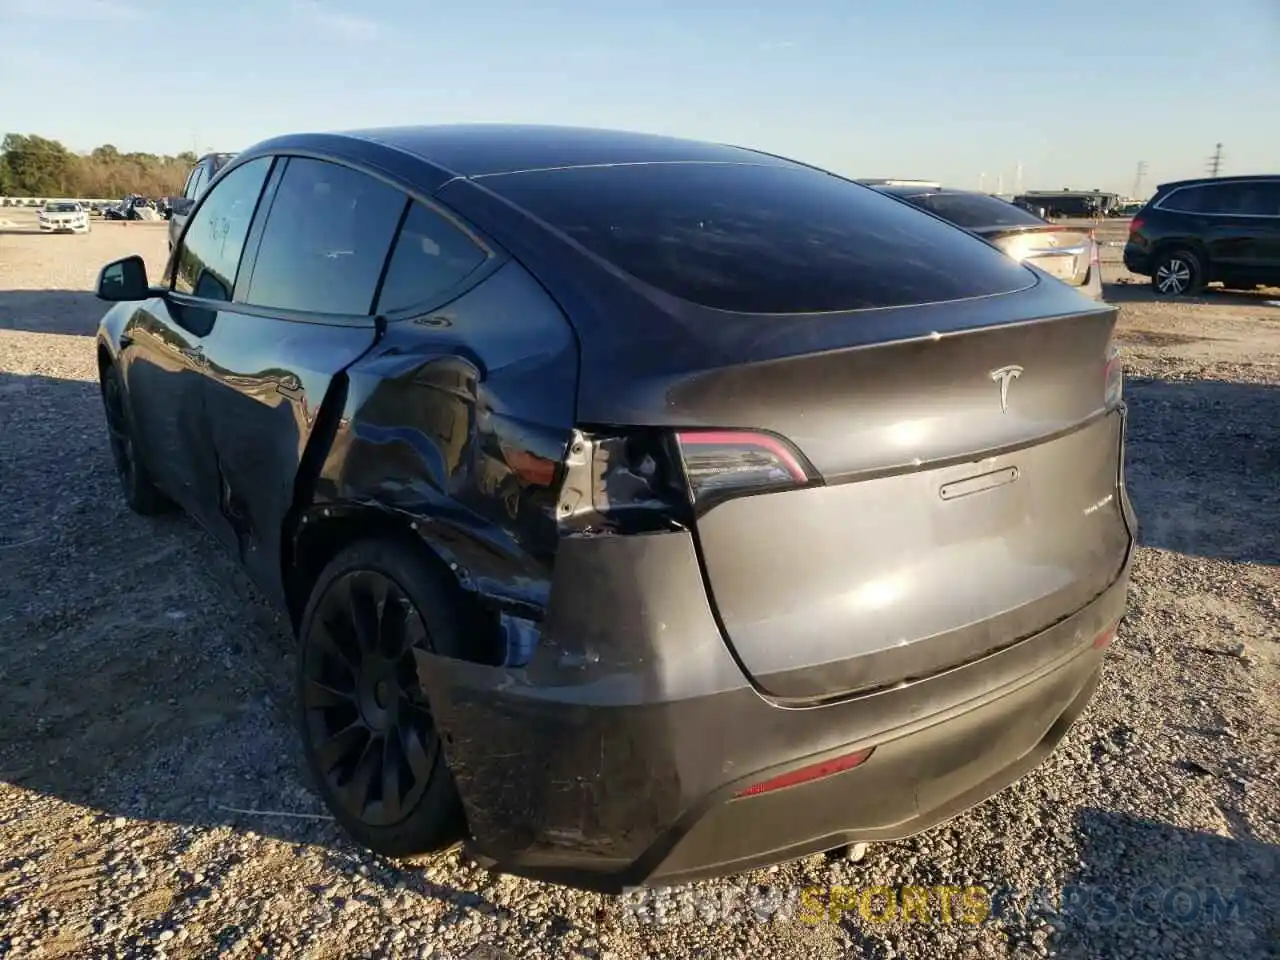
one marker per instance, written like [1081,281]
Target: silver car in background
[63,216]
[1067,253]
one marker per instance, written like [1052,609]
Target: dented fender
[455,426]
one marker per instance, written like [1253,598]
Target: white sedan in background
[59,215]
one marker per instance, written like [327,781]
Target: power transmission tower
[1215,162]
[1137,179]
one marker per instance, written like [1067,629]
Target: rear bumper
[1137,260]
[615,758]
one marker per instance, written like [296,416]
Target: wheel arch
[1191,244]
[321,532]
[105,360]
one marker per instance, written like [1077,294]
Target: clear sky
[1078,92]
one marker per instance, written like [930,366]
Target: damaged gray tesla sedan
[645,509]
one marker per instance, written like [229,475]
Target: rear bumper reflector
[814,771]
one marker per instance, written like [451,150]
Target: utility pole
[1000,185]
[1215,162]
[1017,179]
[982,183]
[1137,180]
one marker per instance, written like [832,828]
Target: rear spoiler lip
[651,398]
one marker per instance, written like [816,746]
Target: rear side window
[325,240]
[431,255]
[762,239]
[1188,200]
[975,210]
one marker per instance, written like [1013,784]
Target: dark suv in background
[1194,232]
[198,181]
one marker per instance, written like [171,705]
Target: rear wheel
[1177,273]
[367,730]
[140,491]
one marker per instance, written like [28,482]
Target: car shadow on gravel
[1146,888]
[1201,466]
[141,675]
[74,312]
[1211,296]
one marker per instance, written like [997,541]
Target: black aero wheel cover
[369,729]
[118,431]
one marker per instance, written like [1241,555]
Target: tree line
[33,166]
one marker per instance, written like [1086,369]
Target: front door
[166,363]
[304,314]
[160,362]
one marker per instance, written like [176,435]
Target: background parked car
[63,216]
[1194,232]
[1069,254]
[198,180]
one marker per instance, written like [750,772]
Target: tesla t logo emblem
[1005,376]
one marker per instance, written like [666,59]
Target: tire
[140,491]
[361,711]
[1177,273]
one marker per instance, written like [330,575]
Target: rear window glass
[975,210]
[762,239]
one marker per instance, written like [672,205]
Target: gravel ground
[144,691]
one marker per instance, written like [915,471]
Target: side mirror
[123,280]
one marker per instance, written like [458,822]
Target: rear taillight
[1113,377]
[645,480]
[1095,255]
[725,463]
[1135,225]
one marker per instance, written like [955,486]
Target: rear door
[1255,214]
[1269,245]
[275,364]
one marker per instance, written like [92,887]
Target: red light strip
[814,771]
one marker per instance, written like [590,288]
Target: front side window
[209,257]
[431,255]
[326,240]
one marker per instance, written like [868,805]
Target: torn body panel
[455,426]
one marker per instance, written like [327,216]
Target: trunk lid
[949,525]
[1062,252]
